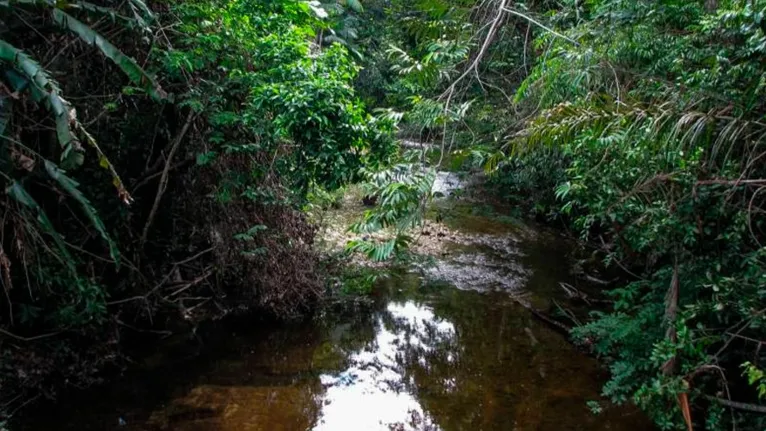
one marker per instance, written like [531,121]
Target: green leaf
[145,11]
[138,21]
[317,8]
[6,109]
[48,90]
[18,82]
[104,162]
[355,5]
[206,157]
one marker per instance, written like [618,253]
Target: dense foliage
[637,125]
[212,120]
[657,110]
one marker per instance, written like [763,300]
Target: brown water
[447,348]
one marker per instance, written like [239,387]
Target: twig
[598,281]
[542,316]
[617,261]
[671,312]
[27,339]
[189,259]
[753,340]
[205,301]
[150,331]
[164,179]
[193,282]
[122,301]
[755,408]
[745,324]
[24,404]
[150,177]
[526,47]
[483,50]
[472,67]
[732,182]
[539,24]
[567,313]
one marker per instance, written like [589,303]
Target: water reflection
[446,183]
[372,393]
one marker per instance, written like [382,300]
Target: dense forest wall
[155,157]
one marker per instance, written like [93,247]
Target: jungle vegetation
[157,157]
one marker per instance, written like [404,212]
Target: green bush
[656,112]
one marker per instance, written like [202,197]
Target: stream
[447,347]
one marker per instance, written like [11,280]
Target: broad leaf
[135,73]
[145,12]
[355,5]
[48,91]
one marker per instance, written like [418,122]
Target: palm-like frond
[47,90]
[663,124]
[141,13]
[104,162]
[129,66]
[71,187]
[25,75]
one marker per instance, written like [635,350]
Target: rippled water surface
[448,348]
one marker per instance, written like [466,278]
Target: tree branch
[164,179]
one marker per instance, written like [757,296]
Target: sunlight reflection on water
[370,394]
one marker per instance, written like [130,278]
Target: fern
[402,192]
[660,123]
[380,250]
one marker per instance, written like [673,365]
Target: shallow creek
[444,348]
